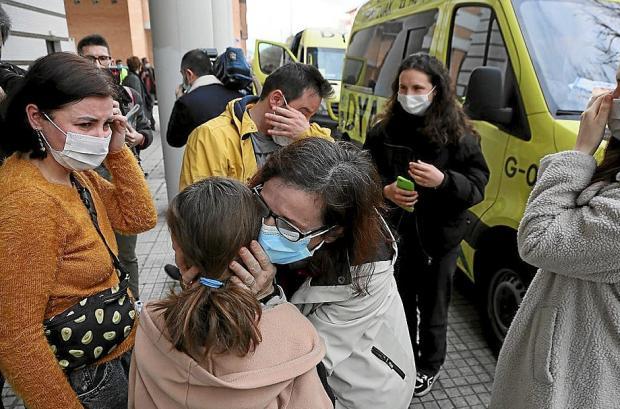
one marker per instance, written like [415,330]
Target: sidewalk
[465,380]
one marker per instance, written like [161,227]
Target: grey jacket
[563,347]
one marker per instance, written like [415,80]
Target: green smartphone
[405,184]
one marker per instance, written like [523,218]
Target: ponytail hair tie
[209,282]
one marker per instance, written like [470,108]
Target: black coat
[195,108]
[132,80]
[139,121]
[440,213]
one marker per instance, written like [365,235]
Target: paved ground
[465,380]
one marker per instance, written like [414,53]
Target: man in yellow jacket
[239,141]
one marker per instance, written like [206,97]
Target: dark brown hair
[134,64]
[53,82]
[346,180]
[210,221]
[92,39]
[444,122]
[610,165]
[293,79]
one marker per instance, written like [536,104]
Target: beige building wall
[240,25]
[126,25]
[121,22]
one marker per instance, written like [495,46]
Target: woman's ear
[333,234]
[35,117]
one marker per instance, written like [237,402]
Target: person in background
[562,349]
[132,80]
[424,136]
[147,75]
[204,99]
[10,76]
[139,137]
[238,142]
[56,255]
[122,71]
[335,254]
[219,346]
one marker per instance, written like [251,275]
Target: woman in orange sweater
[67,318]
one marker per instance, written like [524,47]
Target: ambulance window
[415,37]
[271,57]
[374,53]
[477,41]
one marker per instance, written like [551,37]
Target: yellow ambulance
[524,70]
[323,48]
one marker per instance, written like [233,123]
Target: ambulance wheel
[507,284]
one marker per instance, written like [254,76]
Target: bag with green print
[92,328]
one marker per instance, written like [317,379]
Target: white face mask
[415,104]
[81,152]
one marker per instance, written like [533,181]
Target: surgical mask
[281,250]
[81,152]
[415,104]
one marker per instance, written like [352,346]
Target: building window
[53,46]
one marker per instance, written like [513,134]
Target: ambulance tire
[506,282]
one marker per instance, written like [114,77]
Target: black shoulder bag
[92,328]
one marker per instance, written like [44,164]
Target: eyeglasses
[102,59]
[286,228]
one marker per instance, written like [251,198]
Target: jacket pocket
[543,345]
[389,354]
[377,352]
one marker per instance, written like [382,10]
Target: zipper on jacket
[429,259]
[377,352]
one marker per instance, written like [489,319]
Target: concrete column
[178,26]
[223,25]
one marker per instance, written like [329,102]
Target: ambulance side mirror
[484,98]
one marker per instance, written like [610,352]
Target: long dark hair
[610,165]
[346,180]
[52,82]
[444,122]
[210,221]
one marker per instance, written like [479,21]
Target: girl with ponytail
[213,344]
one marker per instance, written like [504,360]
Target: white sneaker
[424,384]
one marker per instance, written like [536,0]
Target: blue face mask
[281,250]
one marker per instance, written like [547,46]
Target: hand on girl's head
[255,271]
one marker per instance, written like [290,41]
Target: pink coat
[280,373]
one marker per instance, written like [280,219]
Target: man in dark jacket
[10,75]
[133,80]
[205,99]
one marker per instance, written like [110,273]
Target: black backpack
[233,69]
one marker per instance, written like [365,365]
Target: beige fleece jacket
[280,373]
